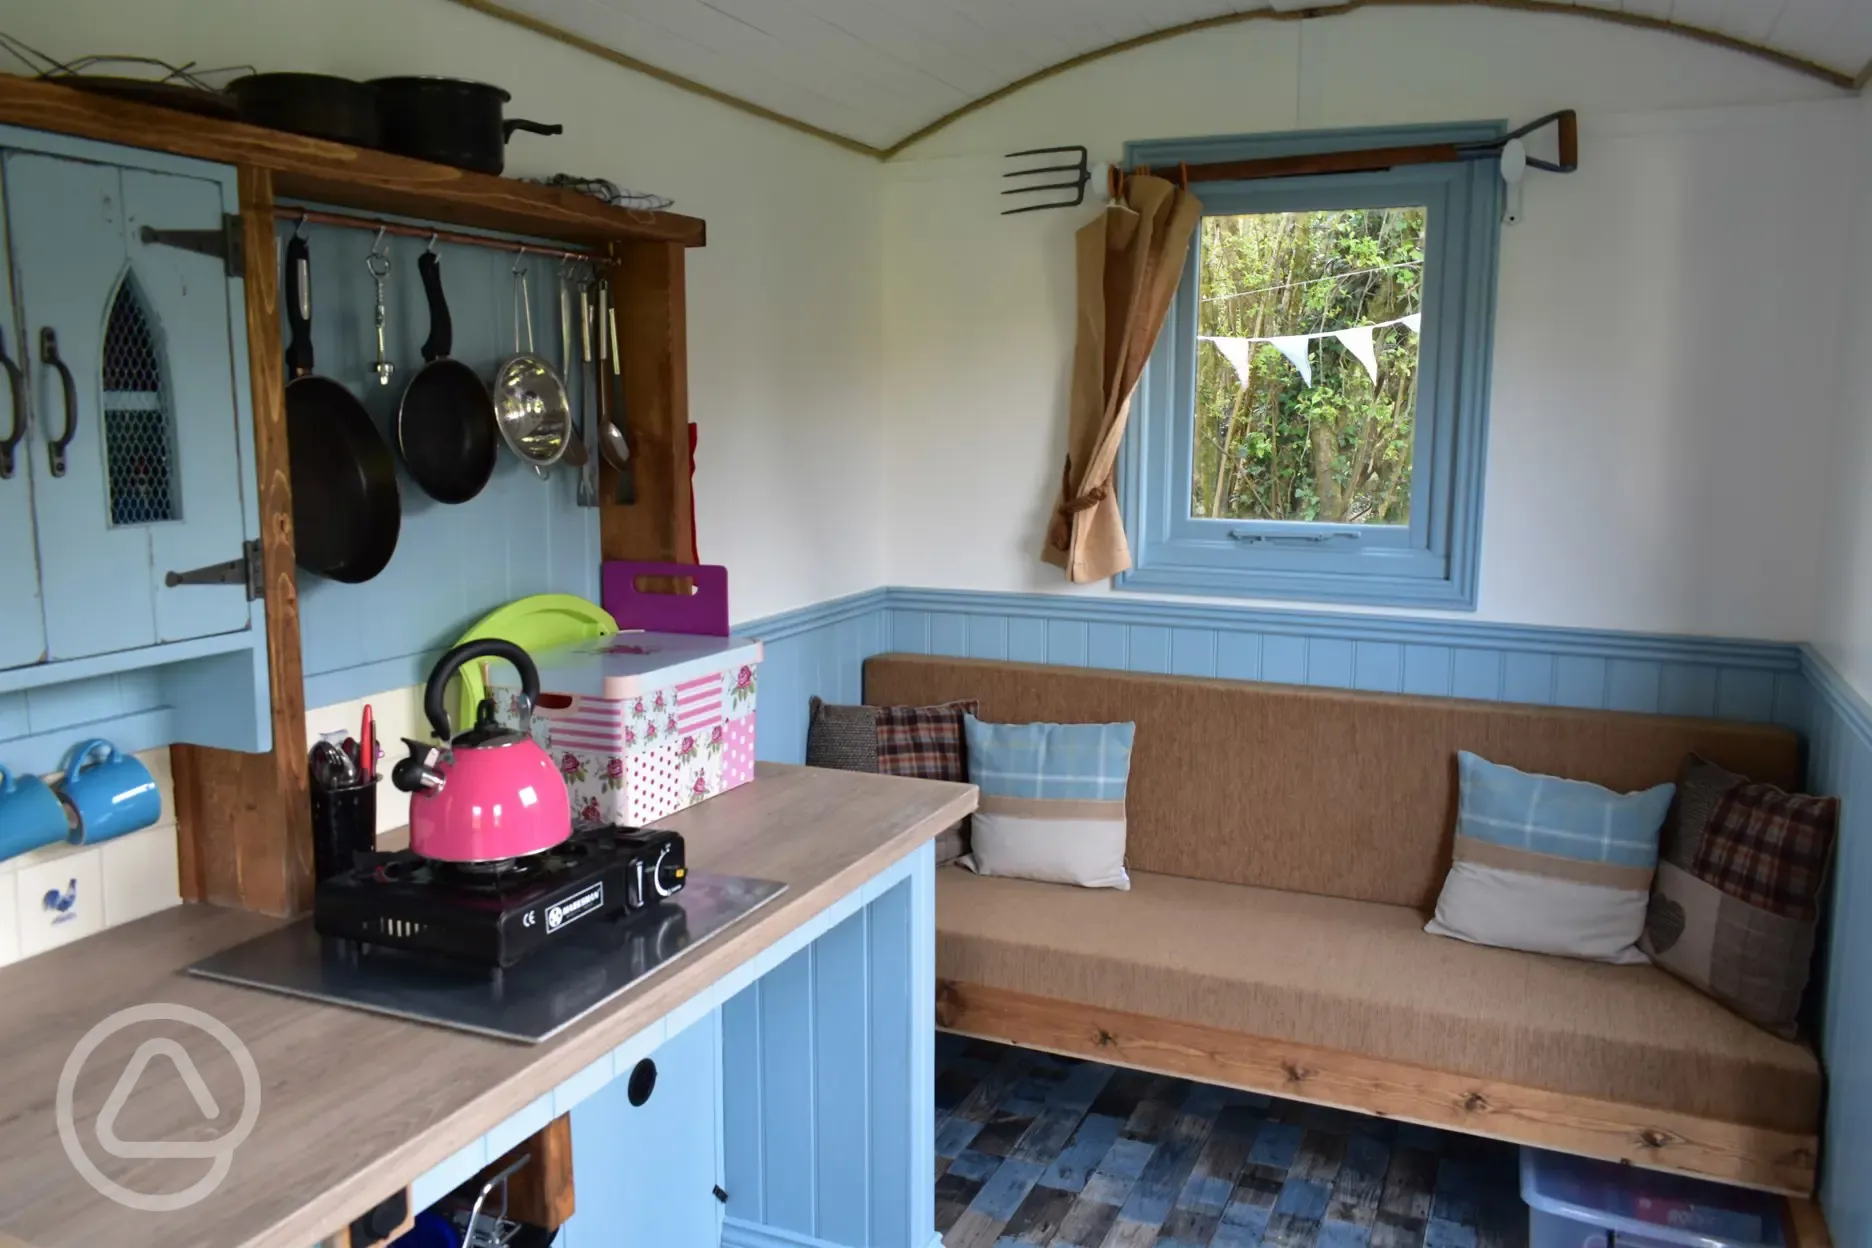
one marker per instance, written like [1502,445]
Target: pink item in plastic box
[644,724]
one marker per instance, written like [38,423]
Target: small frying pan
[445,424]
[346,508]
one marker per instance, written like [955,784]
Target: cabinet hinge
[225,244]
[246,570]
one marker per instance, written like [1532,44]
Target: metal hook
[519,266]
[432,242]
[300,223]
[378,260]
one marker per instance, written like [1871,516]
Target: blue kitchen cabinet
[135,429]
[646,1174]
[22,622]
[129,521]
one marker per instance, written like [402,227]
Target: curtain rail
[312,216]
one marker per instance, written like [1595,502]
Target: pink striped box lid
[628,664]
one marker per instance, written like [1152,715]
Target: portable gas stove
[496,913]
[518,949]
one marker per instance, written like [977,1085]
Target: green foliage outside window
[1340,450]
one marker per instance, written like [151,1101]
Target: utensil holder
[344,824]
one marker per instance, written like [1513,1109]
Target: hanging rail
[1377,159]
[312,216]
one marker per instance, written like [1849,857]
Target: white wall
[1844,634]
[783,327]
[1665,342]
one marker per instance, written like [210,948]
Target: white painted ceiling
[877,71]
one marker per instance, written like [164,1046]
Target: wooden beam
[336,173]
[1806,1224]
[540,1192]
[243,826]
[647,281]
[1761,1157]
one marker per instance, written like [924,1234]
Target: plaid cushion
[1769,848]
[1086,762]
[923,741]
[1735,907]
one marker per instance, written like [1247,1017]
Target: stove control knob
[667,876]
[634,891]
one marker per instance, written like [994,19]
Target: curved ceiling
[876,75]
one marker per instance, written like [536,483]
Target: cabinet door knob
[49,353]
[16,383]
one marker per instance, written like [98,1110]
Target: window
[1312,422]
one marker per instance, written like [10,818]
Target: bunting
[1356,338]
[1237,352]
[1359,342]
[1294,347]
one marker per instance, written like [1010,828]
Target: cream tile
[59,901]
[50,853]
[9,920]
[158,763]
[398,714]
[140,874]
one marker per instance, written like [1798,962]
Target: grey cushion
[842,738]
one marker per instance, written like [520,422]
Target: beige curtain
[1129,263]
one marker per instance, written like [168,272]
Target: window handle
[1250,538]
[16,382]
[49,354]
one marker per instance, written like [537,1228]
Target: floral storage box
[644,724]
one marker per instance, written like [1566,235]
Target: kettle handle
[434,704]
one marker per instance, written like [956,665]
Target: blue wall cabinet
[22,623]
[646,1174]
[135,462]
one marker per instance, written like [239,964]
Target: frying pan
[346,509]
[445,423]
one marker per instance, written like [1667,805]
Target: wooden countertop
[356,1105]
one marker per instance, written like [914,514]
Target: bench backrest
[1320,790]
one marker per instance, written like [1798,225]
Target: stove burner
[495,913]
[493,866]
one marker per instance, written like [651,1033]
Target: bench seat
[1364,978]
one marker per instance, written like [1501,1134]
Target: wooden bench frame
[1759,1157]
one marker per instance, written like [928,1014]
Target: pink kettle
[490,793]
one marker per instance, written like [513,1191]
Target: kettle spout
[418,773]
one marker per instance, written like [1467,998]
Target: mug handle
[82,756]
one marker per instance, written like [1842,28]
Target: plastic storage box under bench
[644,724]
[1575,1202]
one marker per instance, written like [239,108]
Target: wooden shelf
[334,173]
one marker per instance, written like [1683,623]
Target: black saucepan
[449,120]
[445,423]
[321,105]
[346,507]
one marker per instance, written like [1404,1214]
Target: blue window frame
[1430,559]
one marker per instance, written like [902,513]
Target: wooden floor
[1034,1149]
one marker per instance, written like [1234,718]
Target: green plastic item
[536,623]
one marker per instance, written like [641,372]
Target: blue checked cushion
[1052,801]
[1550,865]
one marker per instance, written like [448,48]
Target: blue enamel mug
[31,816]
[110,792]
